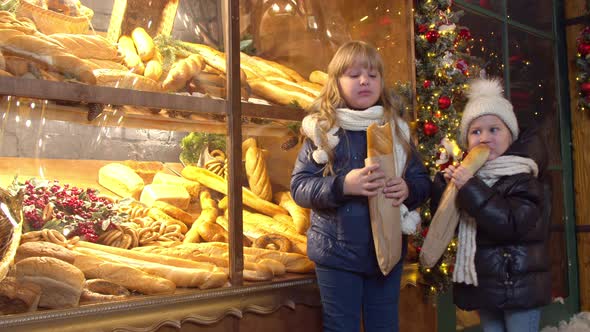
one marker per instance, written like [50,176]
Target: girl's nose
[364,80]
[484,137]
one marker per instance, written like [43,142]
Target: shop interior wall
[581,146]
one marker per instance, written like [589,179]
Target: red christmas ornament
[427,84]
[430,128]
[584,49]
[444,102]
[585,87]
[462,65]
[432,36]
[422,28]
[424,231]
[465,34]
[418,249]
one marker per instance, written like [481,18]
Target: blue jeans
[510,320]
[345,295]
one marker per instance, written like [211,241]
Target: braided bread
[257,173]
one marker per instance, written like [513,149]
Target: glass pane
[559,268]
[532,88]
[487,46]
[496,6]
[535,13]
[156,46]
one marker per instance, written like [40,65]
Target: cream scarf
[359,121]
[490,173]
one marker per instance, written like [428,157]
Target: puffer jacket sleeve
[309,188]
[418,181]
[503,217]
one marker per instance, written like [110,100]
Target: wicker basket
[49,22]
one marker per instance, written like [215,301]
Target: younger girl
[505,274]
[331,179]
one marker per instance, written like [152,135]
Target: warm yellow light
[364,18]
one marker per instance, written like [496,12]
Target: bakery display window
[120,128]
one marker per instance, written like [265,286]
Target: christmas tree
[443,67]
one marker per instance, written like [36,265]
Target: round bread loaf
[43,249]
[61,283]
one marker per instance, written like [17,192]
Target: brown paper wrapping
[385,219]
[442,228]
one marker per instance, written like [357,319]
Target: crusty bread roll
[319,77]
[132,60]
[257,173]
[88,46]
[125,80]
[61,283]
[219,184]
[143,43]
[43,249]
[18,297]
[301,216]
[121,180]
[153,69]
[123,274]
[182,72]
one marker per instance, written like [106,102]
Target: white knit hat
[485,98]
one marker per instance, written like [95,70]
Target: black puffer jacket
[513,221]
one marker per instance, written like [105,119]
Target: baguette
[48,53]
[124,275]
[219,184]
[88,46]
[445,220]
[125,80]
[182,72]
[319,77]
[262,68]
[281,95]
[301,216]
[207,216]
[292,86]
[180,276]
[174,212]
[105,64]
[257,173]
[143,43]
[153,69]
[294,75]
[132,60]
[192,187]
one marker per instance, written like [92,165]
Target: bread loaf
[261,67]
[172,194]
[182,72]
[295,76]
[61,283]
[257,173]
[445,220]
[132,60]
[192,187]
[2,62]
[123,274]
[159,215]
[219,184]
[318,77]
[125,80]
[43,249]
[18,297]
[145,169]
[143,43]
[279,95]
[88,46]
[174,212]
[105,64]
[301,216]
[292,86]
[246,144]
[180,276]
[153,69]
[121,180]
[207,217]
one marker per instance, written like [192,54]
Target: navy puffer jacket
[340,233]
[513,219]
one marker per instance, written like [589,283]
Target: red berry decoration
[584,49]
[427,84]
[432,36]
[444,102]
[430,128]
[585,87]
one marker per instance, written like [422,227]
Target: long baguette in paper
[385,218]
[443,224]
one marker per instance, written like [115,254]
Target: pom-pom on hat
[485,98]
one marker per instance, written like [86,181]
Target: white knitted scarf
[359,121]
[464,270]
